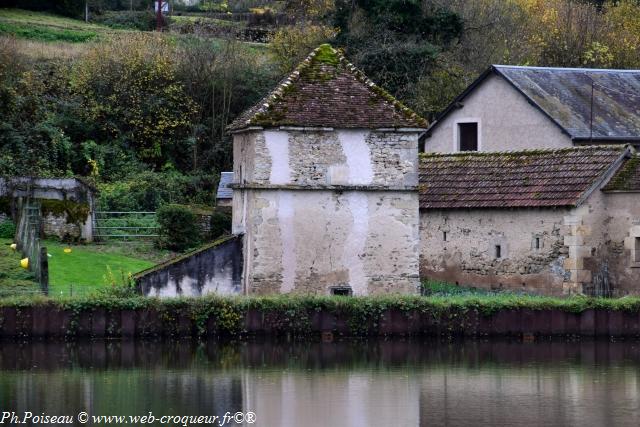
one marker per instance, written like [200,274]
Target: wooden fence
[28,242]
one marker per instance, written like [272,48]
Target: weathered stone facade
[58,226]
[460,246]
[544,221]
[56,190]
[592,249]
[606,243]
[325,209]
[213,269]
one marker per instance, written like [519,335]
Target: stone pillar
[631,244]
[578,251]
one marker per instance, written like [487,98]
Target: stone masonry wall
[340,209]
[309,242]
[56,225]
[610,250]
[213,269]
[347,157]
[533,255]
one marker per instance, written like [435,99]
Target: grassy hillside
[47,27]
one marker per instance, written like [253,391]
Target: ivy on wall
[76,213]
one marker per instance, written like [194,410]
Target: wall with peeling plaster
[591,249]
[467,256]
[321,209]
[610,224]
[215,269]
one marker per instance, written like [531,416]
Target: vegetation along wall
[304,317]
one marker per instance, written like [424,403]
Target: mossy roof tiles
[565,94]
[531,178]
[325,90]
[627,178]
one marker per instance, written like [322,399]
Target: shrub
[7,229]
[129,87]
[147,191]
[179,229]
[220,224]
[135,20]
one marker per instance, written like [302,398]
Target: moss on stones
[622,181]
[327,55]
[76,213]
[323,65]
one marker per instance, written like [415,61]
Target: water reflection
[390,383]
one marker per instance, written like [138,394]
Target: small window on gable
[468,136]
[536,243]
[498,251]
[444,236]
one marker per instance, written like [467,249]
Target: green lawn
[13,278]
[91,266]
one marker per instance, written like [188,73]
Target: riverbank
[112,316]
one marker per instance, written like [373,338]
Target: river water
[375,383]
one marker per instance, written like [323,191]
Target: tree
[223,80]
[409,36]
[290,45]
[130,88]
[622,33]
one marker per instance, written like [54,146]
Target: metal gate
[124,225]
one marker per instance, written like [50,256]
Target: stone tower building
[325,185]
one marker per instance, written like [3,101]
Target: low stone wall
[57,225]
[181,319]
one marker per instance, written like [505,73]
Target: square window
[342,291]
[468,136]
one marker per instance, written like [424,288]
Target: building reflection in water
[395,383]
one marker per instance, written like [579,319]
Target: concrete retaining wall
[51,321]
[214,269]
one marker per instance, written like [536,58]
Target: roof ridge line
[263,106]
[608,147]
[378,90]
[537,67]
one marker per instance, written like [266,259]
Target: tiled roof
[224,192]
[325,90]
[628,176]
[532,178]
[564,95]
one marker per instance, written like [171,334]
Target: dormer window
[468,136]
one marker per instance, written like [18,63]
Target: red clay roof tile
[532,178]
[325,90]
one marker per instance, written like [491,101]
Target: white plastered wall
[506,122]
